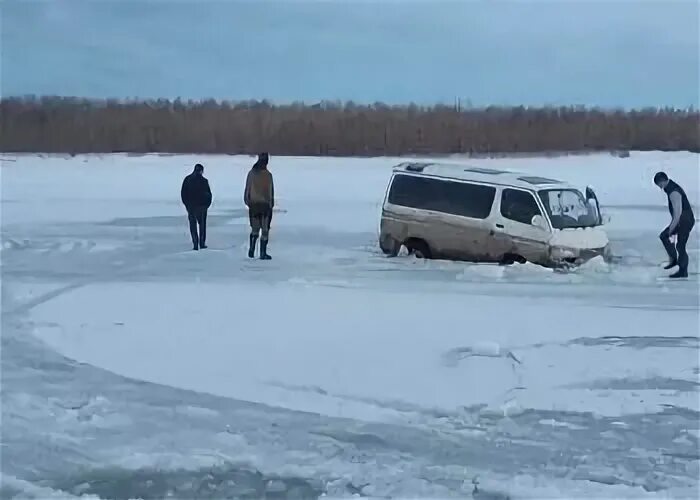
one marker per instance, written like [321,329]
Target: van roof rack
[490,171]
[536,180]
[416,166]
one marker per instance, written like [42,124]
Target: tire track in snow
[108,276]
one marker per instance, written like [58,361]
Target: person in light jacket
[259,197]
[682,222]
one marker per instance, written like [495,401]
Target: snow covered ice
[133,367]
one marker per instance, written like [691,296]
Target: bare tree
[73,125]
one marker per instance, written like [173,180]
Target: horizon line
[458,103]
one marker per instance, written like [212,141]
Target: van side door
[463,229]
[449,215]
[517,209]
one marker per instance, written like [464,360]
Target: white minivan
[476,214]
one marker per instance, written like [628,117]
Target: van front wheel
[509,259]
[419,248]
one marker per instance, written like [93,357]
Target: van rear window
[451,197]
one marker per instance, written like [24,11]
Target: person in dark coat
[682,222]
[196,196]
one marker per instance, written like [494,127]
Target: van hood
[579,238]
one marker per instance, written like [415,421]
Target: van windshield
[567,208]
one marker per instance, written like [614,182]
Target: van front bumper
[575,256]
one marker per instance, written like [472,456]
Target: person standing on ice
[259,197]
[682,222]
[196,196]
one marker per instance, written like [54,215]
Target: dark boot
[263,250]
[681,273]
[251,249]
[671,264]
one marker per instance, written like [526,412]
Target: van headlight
[559,253]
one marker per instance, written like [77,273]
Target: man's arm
[677,208]
[246,191]
[272,192]
[209,196]
[184,192]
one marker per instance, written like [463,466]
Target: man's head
[261,163]
[661,180]
[199,169]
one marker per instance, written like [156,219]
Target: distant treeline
[72,125]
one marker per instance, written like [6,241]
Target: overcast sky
[627,53]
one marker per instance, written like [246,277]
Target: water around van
[133,367]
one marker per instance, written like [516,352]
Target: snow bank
[12,487]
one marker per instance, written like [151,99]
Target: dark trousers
[678,253]
[260,218]
[198,217]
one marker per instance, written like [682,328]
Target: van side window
[451,197]
[519,206]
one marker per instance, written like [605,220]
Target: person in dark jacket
[196,196]
[259,197]
[682,222]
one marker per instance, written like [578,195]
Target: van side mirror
[538,221]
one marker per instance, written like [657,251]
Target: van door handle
[500,226]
